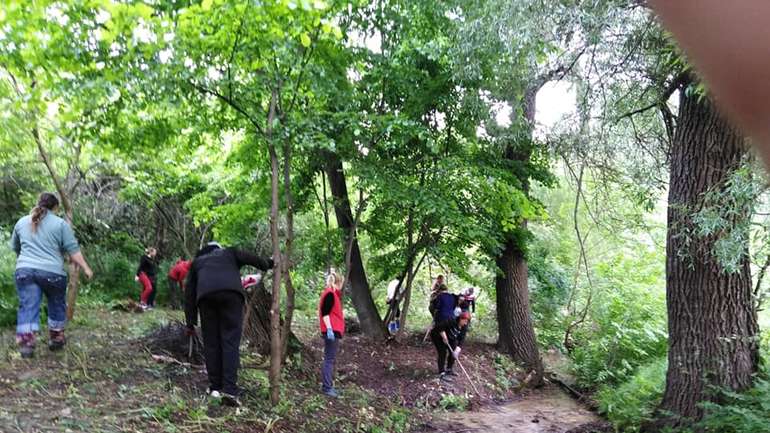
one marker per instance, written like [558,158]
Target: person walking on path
[176,278]
[40,241]
[145,274]
[214,289]
[448,337]
[332,323]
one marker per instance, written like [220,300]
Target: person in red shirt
[332,323]
[176,278]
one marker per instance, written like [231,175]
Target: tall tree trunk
[73,282]
[276,345]
[514,322]
[516,333]
[287,262]
[361,295]
[711,322]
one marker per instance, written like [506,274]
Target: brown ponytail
[46,202]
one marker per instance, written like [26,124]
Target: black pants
[151,298]
[174,294]
[445,359]
[221,327]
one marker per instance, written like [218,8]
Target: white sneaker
[213,393]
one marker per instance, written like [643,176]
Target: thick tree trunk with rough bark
[711,320]
[514,321]
[516,333]
[360,292]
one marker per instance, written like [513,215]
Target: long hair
[334,279]
[45,203]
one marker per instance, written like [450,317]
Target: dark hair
[45,203]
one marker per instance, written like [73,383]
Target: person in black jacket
[448,336]
[214,288]
[146,274]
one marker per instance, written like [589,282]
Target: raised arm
[246,258]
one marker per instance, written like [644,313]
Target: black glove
[190,331]
[270,263]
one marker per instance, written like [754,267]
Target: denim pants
[327,369]
[30,286]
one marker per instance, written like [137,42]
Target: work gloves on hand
[456,352]
[330,334]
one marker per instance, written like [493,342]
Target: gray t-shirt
[45,248]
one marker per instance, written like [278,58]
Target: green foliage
[627,331]
[505,370]
[628,405]
[747,412]
[453,402]
[8,298]
[396,421]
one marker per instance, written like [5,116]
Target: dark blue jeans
[327,369]
[31,284]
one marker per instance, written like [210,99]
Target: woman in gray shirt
[40,240]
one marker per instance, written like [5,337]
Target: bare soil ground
[106,380]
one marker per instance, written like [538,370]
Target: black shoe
[27,352]
[56,340]
[230,400]
[449,372]
[444,376]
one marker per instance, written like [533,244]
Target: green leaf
[305,40]
[206,4]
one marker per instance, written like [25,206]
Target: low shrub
[627,406]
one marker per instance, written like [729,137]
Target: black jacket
[216,271]
[148,266]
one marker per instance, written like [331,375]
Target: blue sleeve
[68,241]
[15,242]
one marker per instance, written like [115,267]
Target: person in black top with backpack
[214,288]
[448,336]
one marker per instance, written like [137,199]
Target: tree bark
[514,322]
[360,293]
[516,333]
[276,345]
[711,321]
[256,321]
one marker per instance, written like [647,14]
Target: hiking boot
[56,340]
[449,372]
[331,392]
[27,352]
[230,400]
[444,376]
[26,342]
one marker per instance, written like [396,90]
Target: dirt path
[547,410]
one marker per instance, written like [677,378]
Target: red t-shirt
[179,271]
